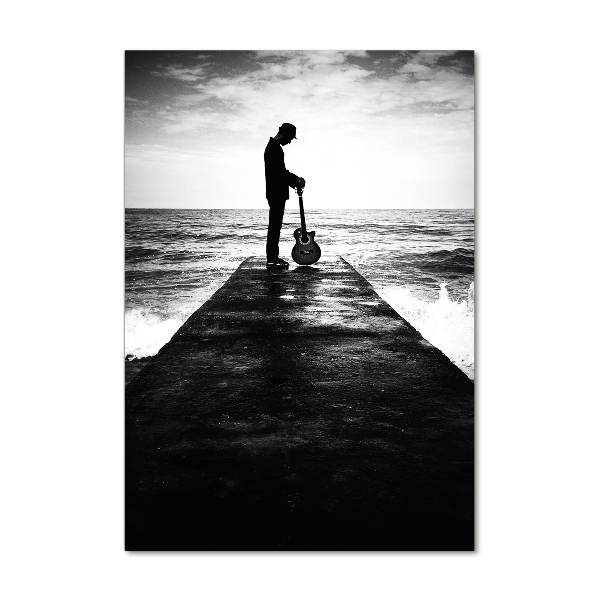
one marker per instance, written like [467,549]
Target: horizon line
[267,208]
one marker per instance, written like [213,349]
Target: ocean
[420,261]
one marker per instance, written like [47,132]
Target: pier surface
[296,410]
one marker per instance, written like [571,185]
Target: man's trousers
[276,210]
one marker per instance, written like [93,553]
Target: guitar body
[305,252]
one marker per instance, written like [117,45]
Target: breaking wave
[146,332]
[446,323]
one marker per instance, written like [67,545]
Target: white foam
[146,332]
[447,324]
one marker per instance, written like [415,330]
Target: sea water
[420,261]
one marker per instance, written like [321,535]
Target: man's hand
[301,183]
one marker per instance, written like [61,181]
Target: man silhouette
[278,181]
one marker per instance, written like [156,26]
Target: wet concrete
[296,410]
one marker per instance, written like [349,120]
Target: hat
[288,127]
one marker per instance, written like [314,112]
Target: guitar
[306,251]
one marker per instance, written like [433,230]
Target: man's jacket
[277,177]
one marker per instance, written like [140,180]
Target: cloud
[135,101]
[436,65]
[309,58]
[180,72]
[161,152]
[327,88]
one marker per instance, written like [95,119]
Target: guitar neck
[302,221]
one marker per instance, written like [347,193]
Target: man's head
[287,133]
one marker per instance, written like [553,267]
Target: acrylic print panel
[318,406]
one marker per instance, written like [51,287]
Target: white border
[63,201]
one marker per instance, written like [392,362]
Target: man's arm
[294,181]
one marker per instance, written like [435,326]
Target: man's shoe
[278,264]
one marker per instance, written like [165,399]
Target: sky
[375,129]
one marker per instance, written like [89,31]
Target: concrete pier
[296,410]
